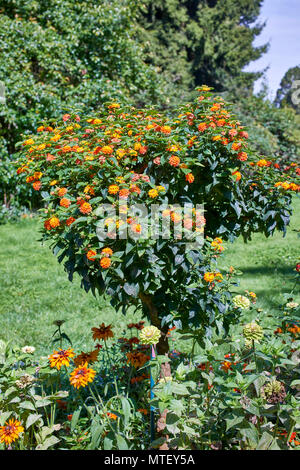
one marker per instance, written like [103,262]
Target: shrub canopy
[123,157]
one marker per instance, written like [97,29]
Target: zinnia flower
[28,349]
[89,357]
[253,332]
[103,332]
[150,335]
[137,359]
[10,431]
[240,301]
[61,358]
[81,376]
[273,391]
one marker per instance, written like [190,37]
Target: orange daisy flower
[89,357]
[103,332]
[137,359]
[81,376]
[61,358]
[10,431]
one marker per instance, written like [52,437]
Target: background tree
[288,88]
[202,41]
[57,54]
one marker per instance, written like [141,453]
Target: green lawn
[35,290]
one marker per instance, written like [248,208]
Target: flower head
[292,305]
[103,332]
[25,381]
[82,375]
[61,358]
[240,301]
[150,335]
[28,349]
[273,391]
[137,359]
[10,431]
[89,357]
[253,332]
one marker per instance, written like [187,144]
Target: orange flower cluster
[211,277]
[217,245]
[126,156]
[294,329]
[286,185]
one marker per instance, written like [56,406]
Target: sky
[283,32]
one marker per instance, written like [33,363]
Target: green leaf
[27,405]
[49,442]
[4,417]
[265,441]
[121,443]
[75,418]
[32,418]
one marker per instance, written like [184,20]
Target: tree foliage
[60,53]
[202,41]
[288,93]
[132,159]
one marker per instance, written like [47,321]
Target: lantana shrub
[124,157]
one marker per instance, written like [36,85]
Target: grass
[35,291]
[267,264]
